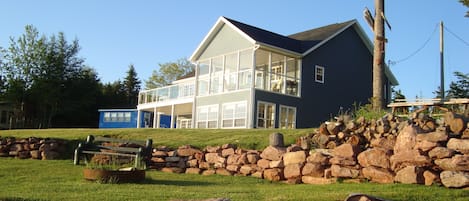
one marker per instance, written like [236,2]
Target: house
[247,77]
[126,118]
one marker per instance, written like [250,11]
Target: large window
[265,115]
[234,115]
[225,73]
[117,116]
[287,117]
[207,116]
[277,73]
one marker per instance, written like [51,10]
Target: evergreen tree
[131,87]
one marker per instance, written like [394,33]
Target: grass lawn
[61,180]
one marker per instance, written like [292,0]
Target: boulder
[258,174]
[377,157]
[460,145]
[160,154]
[384,143]
[292,171]
[208,172]
[276,164]
[233,168]
[455,179]
[172,170]
[187,151]
[227,152]
[410,175]
[192,163]
[247,169]
[213,149]
[274,174]
[346,151]
[437,136]
[263,163]
[337,160]
[456,163]
[223,171]
[214,157]
[252,158]
[409,158]
[313,169]
[344,172]
[317,180]
[273,153]
[440,152]
[425,145]
[319,158]
[378,175]
[233,159]
[406,139]
[297,157]
[430,177]
[193,171]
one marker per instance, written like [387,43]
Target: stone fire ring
[114,176]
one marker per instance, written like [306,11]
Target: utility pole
[442,71]
[378,56]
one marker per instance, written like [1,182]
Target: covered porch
[176,115]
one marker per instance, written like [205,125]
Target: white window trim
[207,120]
[316,74]
[257,113]
[234,114]
[280,114]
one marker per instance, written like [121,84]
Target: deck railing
[171,92]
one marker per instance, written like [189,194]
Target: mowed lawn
[60,180]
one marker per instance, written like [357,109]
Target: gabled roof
[299,44]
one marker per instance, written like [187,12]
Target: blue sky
[116,33]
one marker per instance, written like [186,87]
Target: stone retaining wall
[35,148]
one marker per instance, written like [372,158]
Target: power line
[456,36]
[416,51]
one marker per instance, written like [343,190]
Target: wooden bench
[93,145]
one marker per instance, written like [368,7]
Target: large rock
[317,180]
[456,163]
[247,169]
[187,150]
[292,171]
[263,163]
[440,152]
[461,145]
[214,158]
[410,175]
[409,158]
[346,151]
[455,179]
[344,172]
[377,157]
[378,175]
[252,158]
[313,169]
[319,158]
[430,177]
[437,136]
[425,145]
[406,139]
[297,157]
[273,153]
[337,160]
[384,143]
[275,174]
[227,152]
[193,171]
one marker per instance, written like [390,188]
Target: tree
[169,72]
[460,88]
[397,94]
[466,3]
[131,87]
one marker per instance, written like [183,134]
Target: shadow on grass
[174,182]
[18,199]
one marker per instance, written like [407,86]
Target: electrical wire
[418,50]
[456,36]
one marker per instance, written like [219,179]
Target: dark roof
[299,42]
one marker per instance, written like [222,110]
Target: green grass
[61,180]
[245,138]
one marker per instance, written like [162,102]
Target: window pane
[227,123]
[231,69]
[262,69]
[245,79]
[217,64]
[240,123]
[203,67]
[245,59]
[203,87]
[216,83]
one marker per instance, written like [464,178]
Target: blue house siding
[121,121]
[277,99]
[347,78]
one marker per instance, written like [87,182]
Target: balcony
[167,93]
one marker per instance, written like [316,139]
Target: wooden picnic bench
[138,149]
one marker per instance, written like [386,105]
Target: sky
[116,33]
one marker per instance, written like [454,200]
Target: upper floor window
[319,74]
